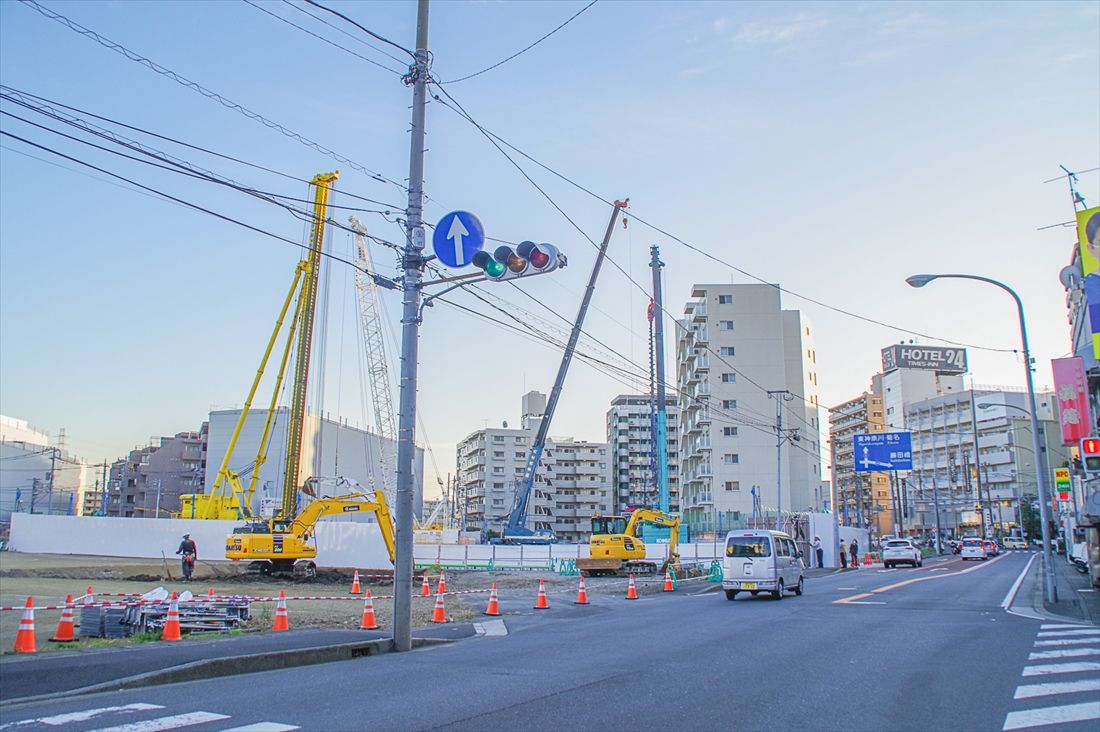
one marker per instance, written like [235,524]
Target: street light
[1050,593]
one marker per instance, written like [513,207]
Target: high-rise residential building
[39,475]
[573,479]
[150,481]
[634,460]
[741,359]
[862,499]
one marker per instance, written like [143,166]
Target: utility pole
[978,459]
[663,498]
[936,504]
[53,475]
[413,264]
[780,396]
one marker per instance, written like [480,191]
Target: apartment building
[630,436]
[862,499]
[148,483]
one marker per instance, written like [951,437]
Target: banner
[1071,390]
[1088,236]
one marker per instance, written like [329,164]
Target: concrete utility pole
[53,475]
[780,396]
[413,263]
[978,462]
[663,498]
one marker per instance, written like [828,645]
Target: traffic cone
[282,621]
[210,594]
[171,630]
[355,588]
[668,582]
[541,602]
[631,590]
[24,639]
[494,605]
[88,597]
[439,614]
[368,622]
[442,583]
[65,626]
[582,594]
[425,588]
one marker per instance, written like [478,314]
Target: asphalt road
[904,649]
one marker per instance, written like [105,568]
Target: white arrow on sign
[456,231]
[867,462]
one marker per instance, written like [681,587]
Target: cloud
[1068,58]
[720,25]
[780,32]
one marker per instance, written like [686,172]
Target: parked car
[972,548]
[901,551]
[761,561]
[1014,542]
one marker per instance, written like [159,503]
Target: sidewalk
[1073,605]
[80,671]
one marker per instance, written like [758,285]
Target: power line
[524,50]
[338,29]
[368,31]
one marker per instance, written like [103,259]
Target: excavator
[616,547]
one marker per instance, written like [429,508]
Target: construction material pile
[148,613]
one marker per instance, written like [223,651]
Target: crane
[515,530]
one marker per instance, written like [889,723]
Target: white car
[973,548]
[900,551]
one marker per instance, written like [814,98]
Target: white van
[761,561]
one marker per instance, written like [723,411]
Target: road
[904,649]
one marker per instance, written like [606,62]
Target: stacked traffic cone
[88,597]
[669,587]
[582,594]
[439,614]
[631,590]
[541,602]
[425,588]
[368,622]
[282,621]
[355,588]
[24,639]
[442,583]
[171,630]
[65,626]
[494,604]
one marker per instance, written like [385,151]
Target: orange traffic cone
[668,582]
[210,594]
[282,621]
[540,602]
[582,594]
[355,588]
[425,588]
[24,639]
[88,597]
[65,626]
[494,605]
[171,630]
[442,583]
[631,590]
[368,622]
[439,614]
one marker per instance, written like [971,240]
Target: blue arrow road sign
[883,451]
[458,236]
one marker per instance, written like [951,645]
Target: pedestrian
[190,552]
[843,555]
[819,552]
[854,549]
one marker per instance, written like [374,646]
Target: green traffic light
[493,268]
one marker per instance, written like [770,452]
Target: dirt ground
[49,577]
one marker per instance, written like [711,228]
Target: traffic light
[1090,456]
[527,259]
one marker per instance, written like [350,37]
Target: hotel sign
[929,358]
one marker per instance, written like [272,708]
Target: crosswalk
[139,717]
[1061,681]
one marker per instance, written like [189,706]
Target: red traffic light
[1090,446]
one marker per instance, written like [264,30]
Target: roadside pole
[936,504]
[413,264]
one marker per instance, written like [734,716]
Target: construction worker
[190,553]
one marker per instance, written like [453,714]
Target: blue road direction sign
[883,451]
[458,236]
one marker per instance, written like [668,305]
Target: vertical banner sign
[1088,236]
[1062,483]
[1071,389]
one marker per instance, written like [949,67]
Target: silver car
[901,551]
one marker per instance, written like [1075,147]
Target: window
[729,432]
[733,485]
[498,470]
[727,351]
[498,486]
[729,378]
[731,458]
[729,404]
[725,299]
[725,325]
[748,546]
[498,501]
[498,454]
[520,455]
[781,548]
[498,438]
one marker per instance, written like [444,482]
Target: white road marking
[59,719]
[1064,653]
[1087,590]
[263,727]
[1031,691]
[1007,602]
[1063,626]
[1052,715]
[847,588]
[491,627]
[1060,668]
[864,602]
[1065,642]
[939,569]
[162,723]
[1068,633]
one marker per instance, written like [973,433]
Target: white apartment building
[734,344]
[630,437]
[572,481]
[37,476]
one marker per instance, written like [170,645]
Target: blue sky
[832,148]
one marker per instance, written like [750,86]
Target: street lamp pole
[1050,592]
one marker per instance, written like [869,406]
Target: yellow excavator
[281,545]
[616,547]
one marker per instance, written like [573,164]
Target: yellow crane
[616,546]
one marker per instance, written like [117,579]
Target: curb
[236,666]
[1032,605]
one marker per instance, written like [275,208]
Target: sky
[831,148]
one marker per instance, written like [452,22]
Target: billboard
[877,451]
[940,359]
[1071,390]
[1088,236]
